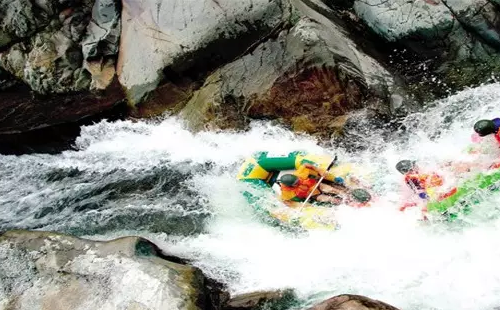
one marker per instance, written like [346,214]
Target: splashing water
[178,189]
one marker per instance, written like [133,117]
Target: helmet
[361,195]
[289,179]
[484,127]
[404,166]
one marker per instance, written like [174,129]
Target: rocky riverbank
[45,270]
[219,64]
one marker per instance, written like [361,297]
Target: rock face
[57,62]
[352,302]
[162,40]
[308,75]
[50,271]
[458,40]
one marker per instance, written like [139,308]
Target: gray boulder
[164,40]
[308,76]
[460,38]
[42,270]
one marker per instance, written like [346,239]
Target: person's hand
[321,172]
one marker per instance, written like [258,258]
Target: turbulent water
[158,180]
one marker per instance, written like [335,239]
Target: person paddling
[419,182]
[296,187]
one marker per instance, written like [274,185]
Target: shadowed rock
[352,302]
[272,300]
[460,39]
[47,78]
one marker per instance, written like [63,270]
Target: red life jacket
[423,181]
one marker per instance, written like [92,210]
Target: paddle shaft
[319,182]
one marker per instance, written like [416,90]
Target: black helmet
[484,127]
[289,179]
[404,166]
[361,195]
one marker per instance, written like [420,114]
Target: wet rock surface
[51,271]
[308,76]
[454,42]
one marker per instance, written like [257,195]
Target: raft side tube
[481,181]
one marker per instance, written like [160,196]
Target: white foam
[378,252]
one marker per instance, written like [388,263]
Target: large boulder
[457,41]
[171,41]
[308,76]
[42,270]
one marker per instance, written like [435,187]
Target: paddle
[319,182]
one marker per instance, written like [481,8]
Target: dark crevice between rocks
[144,247]
[51,123]
[272,300]
[54,139]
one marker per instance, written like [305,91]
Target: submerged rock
[352,302]
[275,300]
[45,270]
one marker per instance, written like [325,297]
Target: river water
[158,180]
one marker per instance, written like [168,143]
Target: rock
[49,64]
[19,20]
[459,40]
[275,300]
[162,41]
[103,31]
[307,76]
[42,270]
[100,46]
[102,73]
[57,68]
[21,111]
[352,302]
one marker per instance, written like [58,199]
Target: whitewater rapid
[158,180]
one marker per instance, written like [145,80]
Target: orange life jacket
[300,191]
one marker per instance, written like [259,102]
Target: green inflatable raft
[462,199]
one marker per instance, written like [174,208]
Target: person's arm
[320,171]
